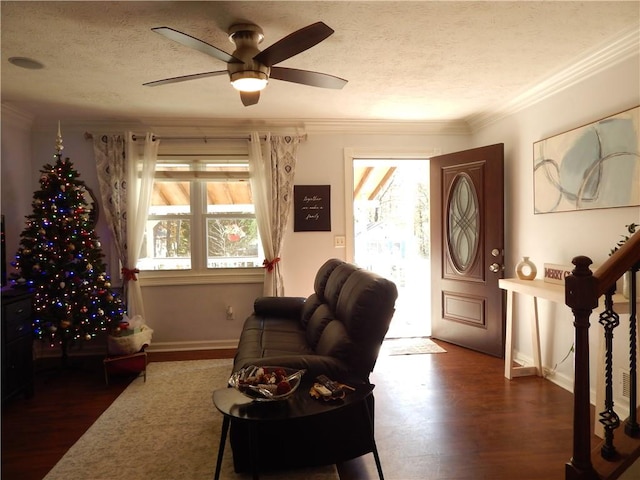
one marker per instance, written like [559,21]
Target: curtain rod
[88,136]
[203,138]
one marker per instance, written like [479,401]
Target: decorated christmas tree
[60,258]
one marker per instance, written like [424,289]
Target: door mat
[410,346]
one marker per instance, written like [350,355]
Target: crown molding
[608,54]
[212,127]
[386,127]
[14,116]
[47,124]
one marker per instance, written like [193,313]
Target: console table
[536,289]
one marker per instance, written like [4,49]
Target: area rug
[410,346]
[164,429]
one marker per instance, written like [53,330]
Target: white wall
[194,316]
[558,237]
[17,176]
[321,162]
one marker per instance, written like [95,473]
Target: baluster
[581,297]
[609,418]
[632,428]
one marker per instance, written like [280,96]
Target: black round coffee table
[234,405]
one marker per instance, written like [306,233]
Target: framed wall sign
[312,208]
[593,166]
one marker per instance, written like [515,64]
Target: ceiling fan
[250,69]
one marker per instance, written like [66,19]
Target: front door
[467,249]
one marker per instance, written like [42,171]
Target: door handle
[496,267]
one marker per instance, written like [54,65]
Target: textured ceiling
[425,61]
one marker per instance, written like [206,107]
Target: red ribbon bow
[129,274]
[270,265]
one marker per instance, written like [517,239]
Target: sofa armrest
[287,307]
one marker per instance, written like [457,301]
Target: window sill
[228,276]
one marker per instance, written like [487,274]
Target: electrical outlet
[339,241]
[230,313]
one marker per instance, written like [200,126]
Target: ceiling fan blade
[184,78]
[249,98]
[197,44]
[307,77]
[294,43]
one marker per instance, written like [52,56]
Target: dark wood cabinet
[17,343]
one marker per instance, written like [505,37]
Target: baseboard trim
[562,380]
[100,349]
[192,345]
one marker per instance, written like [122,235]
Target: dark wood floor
[439,416]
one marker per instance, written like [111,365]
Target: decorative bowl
[266,383]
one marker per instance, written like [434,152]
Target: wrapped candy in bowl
[266,384]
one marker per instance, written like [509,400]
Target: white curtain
[125,176]
[141,167]
[272,171]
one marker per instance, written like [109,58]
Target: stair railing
[582,291]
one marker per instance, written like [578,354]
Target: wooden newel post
[581,296]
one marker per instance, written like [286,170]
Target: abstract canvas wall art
[593,166]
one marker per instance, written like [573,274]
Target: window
[202,216]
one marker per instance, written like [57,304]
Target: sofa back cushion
[322,277]
[335,342]
[336,280]
[348,314]
[366,305]
[317,298]
[310,306]
[320,318]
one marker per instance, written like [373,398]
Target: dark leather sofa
[336,331]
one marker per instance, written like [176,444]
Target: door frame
[351,154]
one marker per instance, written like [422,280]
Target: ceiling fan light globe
[249,81]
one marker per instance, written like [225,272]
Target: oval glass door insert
[463,218]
